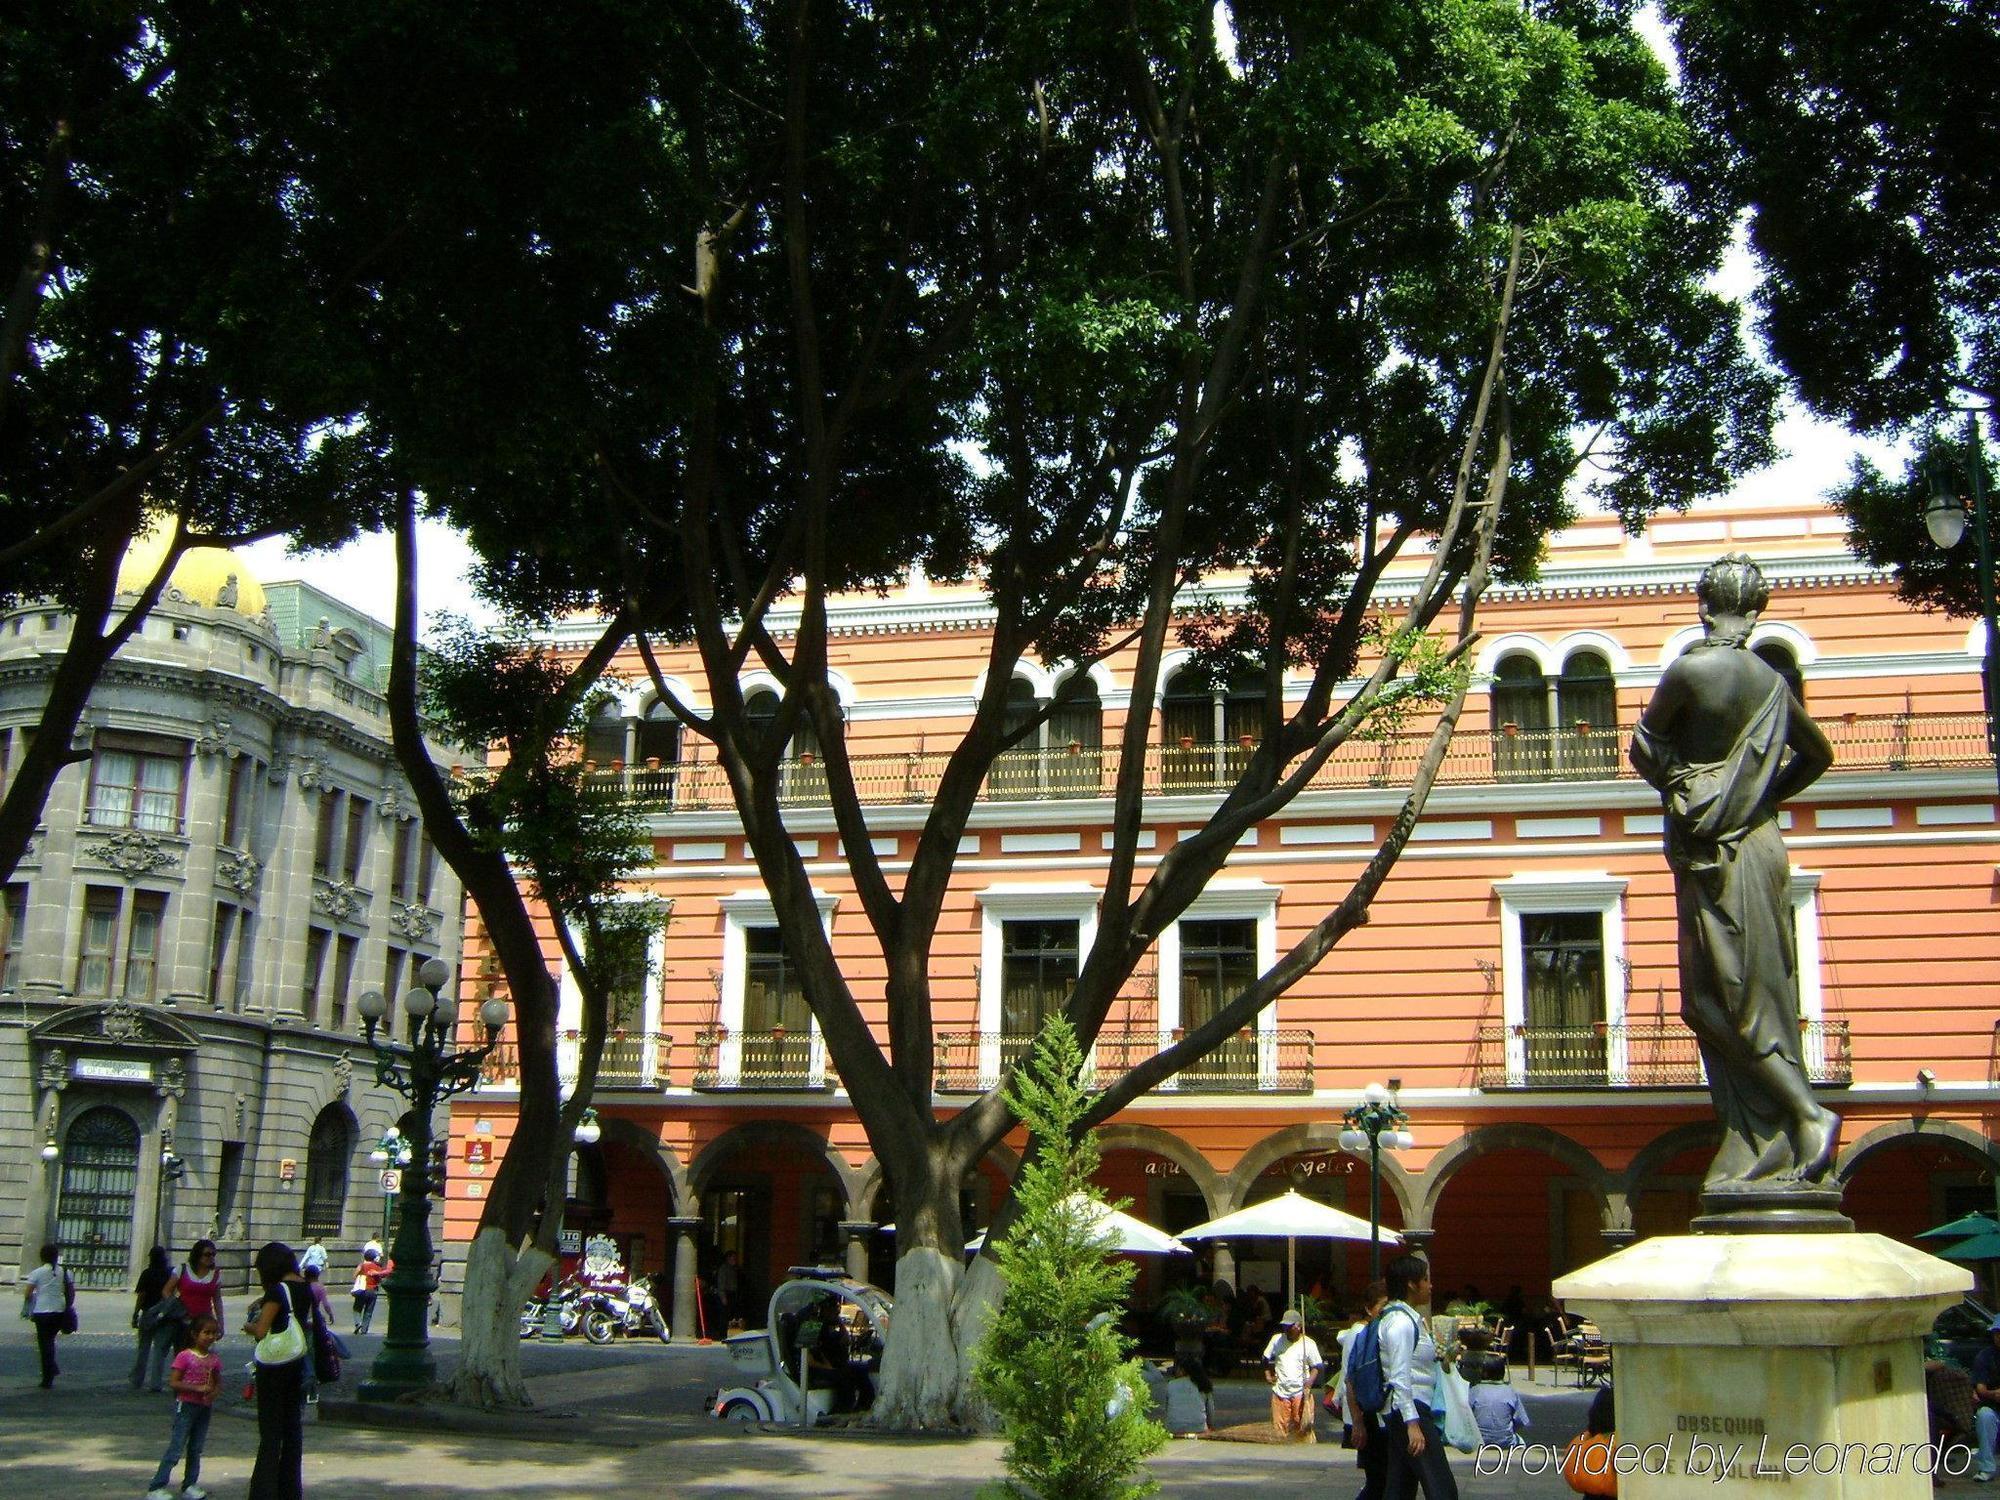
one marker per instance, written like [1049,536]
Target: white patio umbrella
[1295,1217]
[1128,1235]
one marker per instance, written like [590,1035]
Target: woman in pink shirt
[199,1284]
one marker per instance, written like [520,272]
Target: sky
[1816,456]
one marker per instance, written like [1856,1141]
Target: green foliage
[1069,1396]
[1886,519]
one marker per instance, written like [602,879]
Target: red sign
[477,1150]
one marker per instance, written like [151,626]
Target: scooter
[566,1297]
[632,1310]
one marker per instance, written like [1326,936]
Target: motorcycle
[633,1310]
[567,1297]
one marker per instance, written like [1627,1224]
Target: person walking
[1410,1432]
[1364,1428]
[1986,1420]
[282,1327]
[1291,1363]
[48,1300]
[314,1257]
[198,1284]
[1190,1399]
[196,1380]
[157,1319]
[367,1287]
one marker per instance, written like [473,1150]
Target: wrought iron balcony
[776,1060]
[1877,742]
[1638,1054]
[970,1062]
[627,1063]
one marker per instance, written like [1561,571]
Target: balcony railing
[1639,1054]
[1879,742]
[627,1063]
[970,1062]
[776,1060]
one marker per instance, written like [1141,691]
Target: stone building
[182,950]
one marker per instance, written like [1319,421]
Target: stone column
[857,1232]
[1225,1263]
[685,1320]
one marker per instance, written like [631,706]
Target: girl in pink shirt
[194,1377]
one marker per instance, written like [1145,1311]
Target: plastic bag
[1461,1431]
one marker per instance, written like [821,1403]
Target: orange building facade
[1516,985]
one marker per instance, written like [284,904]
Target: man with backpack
[1364,1426]
[1393,1369]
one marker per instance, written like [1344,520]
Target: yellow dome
[204,575]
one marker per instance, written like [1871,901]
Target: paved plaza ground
[636,1406]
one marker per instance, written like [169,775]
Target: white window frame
[1812,1000]
[1000,904]
[1224,900]
[569,1002]
[1573,891]
[741,912]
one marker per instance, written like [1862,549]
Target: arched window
[1017,771]
[1785,664]
[1520,718]
[659,737]
[804,778]
[329,1151]
[1063,755]
[1204,725]
[1587,700]
[604,739]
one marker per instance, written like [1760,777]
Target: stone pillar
[857,1232]
[1225,1264]
[1769,1364]
[685,1319]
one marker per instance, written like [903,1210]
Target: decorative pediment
[115,1024]
[338,899]
[417,923]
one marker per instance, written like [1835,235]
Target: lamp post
[1375,1119]
[431,1069]
[392,1153]
[1944,519]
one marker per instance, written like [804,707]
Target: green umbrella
[1979,1247]
[1971,1224]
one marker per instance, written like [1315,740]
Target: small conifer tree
[1069,1396]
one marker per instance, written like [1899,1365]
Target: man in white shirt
[1291,1363]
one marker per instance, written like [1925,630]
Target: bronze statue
[1725,742]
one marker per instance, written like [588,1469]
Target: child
[194,1377]
[1190,1399]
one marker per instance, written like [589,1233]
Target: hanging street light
[426,1071]
[1944,519]
[1373,1123]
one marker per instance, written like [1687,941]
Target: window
[1587,701]
[137,784]
[659,736]
[228,1184]
[394,969]
[604,735]
[14,747]
[400,883]
[1218,963]
[246,931]
[1063,756]
[1038,968]
[1780,658]
[426,868]
[344,953]
[356,846]
[774,1001]
[142,945]
[13,931]
[1211,728]
[317,941]
[240,812]
[99,941]
[329,1149]
[1520,719]
[327,831]
[624,952]
[221,954]
[804,777]
[1562,956]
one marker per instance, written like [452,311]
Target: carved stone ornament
[240,872]
[313,773]
[120,1022]
[173,1078]
[215,739]
[397,801]
[54,1072]
[343,1075]
[132,853]
[338,899]
[413,922]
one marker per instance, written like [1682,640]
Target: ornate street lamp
[1944,519]
[588,1131]
[1373,1122]
[429,1070]
[391,1152]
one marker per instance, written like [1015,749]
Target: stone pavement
[614,1422]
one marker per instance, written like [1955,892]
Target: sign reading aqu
[112,1070]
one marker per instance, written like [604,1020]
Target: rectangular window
[137,784]
[1218,963]
[240,813]
[356,846]
[1038,968]
[426,868]
[228,1184]
[246,932]
[343,978]
[317,939]
[393,970]
[399,865]
[142,945]
[98,943]
[1562,956]
[327,831]
[623,955]
[774,1002]
[221,952]
[13,929]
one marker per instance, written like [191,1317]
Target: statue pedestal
[1769,1364]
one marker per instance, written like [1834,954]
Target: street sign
[479,1151]
[392,1181]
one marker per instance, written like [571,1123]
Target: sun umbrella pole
[1292,1270]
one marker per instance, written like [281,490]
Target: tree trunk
[979,1294]
[923,1387]
[498,1279]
